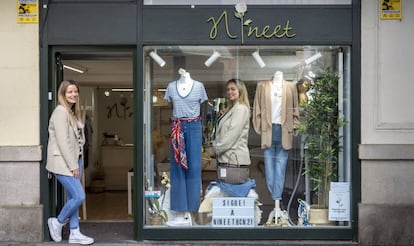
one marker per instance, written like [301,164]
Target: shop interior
[107,96]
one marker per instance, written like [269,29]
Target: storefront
[214,43]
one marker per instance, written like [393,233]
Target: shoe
[185,220]
[76,236]
[270,219]
[55,229]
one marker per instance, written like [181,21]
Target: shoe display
[76,236]
[55,229]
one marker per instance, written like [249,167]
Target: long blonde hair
[241,87]
[75,108]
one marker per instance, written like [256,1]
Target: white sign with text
[233,212]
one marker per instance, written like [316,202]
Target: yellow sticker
[391,9]
[27,11]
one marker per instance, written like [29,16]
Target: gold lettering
[287,29]
[265,29]
[251,30]
[213,31]
[276,31]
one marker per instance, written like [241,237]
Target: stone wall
[21,215]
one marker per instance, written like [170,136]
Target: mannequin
[186,96]
[278,78]
[276,129]
[303,86]
[185,82]
[276,119]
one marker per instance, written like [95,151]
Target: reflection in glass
[300,65]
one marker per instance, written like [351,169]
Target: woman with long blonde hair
[64,160]
[232,130]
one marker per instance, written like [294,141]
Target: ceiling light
[258,59]
[212,58]
[157,58]
[76,69]
[122,89]
[313,58]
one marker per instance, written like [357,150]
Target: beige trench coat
[63,148]
[262,113]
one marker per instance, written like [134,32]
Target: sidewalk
[121,233]
[202,243]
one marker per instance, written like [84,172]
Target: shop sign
[233,212]
[278,31]
[27,11]
[390,9]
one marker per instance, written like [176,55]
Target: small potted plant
[321,128]
[158,215]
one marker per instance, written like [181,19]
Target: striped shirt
[188,106]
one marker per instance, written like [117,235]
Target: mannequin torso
[276,97]
[277,84]
[185,83]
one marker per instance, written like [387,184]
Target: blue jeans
[186,184]
[275,159]
[75,195]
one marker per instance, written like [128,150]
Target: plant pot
[319,216]
[156,220]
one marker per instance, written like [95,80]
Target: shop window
[313,102]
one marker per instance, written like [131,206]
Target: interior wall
[115,116]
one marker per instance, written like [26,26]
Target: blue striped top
[188,106]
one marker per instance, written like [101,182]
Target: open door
[56,189]
[105,79]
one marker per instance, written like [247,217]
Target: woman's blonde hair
[241,87]
[75,108]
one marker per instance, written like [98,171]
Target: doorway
[105,77]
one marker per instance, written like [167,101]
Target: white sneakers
[76,236]
[55,229]
[183,219]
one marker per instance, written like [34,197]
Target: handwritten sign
[233,212]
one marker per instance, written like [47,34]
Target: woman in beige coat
[230,144]
[64,160]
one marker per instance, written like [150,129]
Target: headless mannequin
[277,80]
[277,94]
[180,218]
[185,83]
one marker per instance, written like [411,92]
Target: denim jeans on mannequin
[75,195]
[186,184]
[275,159]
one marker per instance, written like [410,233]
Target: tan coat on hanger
[262,113]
